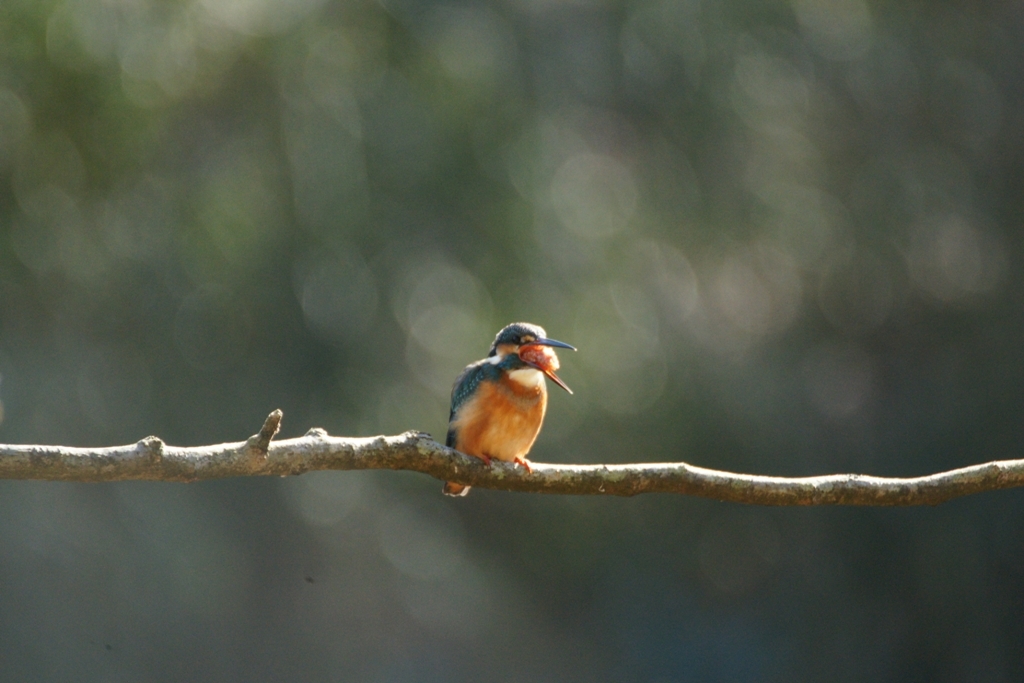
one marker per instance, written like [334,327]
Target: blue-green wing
[465,384]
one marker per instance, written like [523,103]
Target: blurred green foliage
[784,236]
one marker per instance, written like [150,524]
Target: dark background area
[785,238]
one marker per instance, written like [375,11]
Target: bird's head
[530,344]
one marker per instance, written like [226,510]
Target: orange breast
[501,421]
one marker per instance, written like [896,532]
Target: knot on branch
[259,444]
[153,446]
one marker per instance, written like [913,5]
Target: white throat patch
[528,377]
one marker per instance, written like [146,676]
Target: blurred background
[785,237]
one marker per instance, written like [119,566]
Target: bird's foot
[524,463]
[454,490]
[485,458]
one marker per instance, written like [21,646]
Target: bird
[498,403]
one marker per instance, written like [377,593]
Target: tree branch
[151,459]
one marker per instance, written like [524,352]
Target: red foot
[524,463]
[485,458]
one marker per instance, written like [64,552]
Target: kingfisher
[498,403]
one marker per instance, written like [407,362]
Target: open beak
[542,341]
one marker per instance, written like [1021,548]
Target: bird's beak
[548,372]
[543,341]
[556,379]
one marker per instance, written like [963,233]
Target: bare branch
[151,459]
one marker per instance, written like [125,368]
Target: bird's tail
[455,490]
